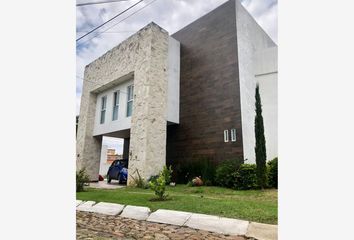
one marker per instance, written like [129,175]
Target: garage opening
[114,151]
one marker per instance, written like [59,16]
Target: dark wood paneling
[209,89]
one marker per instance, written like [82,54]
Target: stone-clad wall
[148,128]
[145,55]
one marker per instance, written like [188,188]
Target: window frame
[130,99]
[233,135]
[115,104]
[226,135]
[103,109]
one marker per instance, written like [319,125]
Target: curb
[216,224]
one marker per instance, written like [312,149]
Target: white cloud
[266,15]
[172,15]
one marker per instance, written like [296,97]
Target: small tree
[159,187]
[167,172]
[260,147]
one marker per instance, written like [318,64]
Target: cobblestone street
[101,227]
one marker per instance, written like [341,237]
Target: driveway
[105,185]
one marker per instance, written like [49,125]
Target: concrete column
[88,148]
[148,127]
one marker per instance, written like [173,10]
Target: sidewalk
[181,220]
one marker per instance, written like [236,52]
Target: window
[103,109]
[115,105]
[130,100]
[226,135]
[233,135]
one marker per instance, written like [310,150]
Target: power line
[107,32]
[99,2]
[109,20]
[118,22]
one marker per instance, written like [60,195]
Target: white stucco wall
[173,80]
[250,39]
[267,77]
[123,122]
[103,161]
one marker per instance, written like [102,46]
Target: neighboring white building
[103,161]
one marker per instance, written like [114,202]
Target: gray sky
[171,15]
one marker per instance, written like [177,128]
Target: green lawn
[252,205]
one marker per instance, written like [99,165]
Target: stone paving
[97,226]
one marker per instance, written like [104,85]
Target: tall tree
[260,148]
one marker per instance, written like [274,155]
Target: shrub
[208,183]
[224,174]
[81,179]
[189,169]
[245,177]
[167,174]
[138,181]
[273,173]
[159,186]
[208,172]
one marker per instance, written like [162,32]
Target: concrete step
[107,208]
[262,231]
[217,224]
[139,213]
[169,217]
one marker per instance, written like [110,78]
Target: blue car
[118,171]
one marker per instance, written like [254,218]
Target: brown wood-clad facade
[209,90]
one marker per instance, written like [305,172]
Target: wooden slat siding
[209,90]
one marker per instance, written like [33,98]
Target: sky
[171,15]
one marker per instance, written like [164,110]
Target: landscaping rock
[169,217]
[139,213]
[107,208]
[78,202]
[262,231]
[218,224]
[197,182]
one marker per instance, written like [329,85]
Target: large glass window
[115,105]
[103,109]
[130,100]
